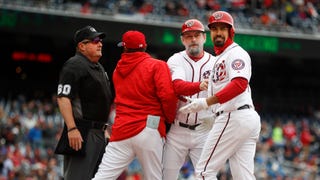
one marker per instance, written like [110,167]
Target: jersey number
[64,89]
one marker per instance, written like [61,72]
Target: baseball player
[237,125]
[190,70]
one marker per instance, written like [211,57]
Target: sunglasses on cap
[94,41]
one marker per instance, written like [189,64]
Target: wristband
[71,129]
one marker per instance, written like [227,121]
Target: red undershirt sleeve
[233,89]
[185,88]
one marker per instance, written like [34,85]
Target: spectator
[53,171]
[266,131]
[29,120]
[277,135]
[182,10]
[213,5]
[86,8]
[170,8]
[289,131]
[291,151]
[146,8]
[187,171]
[306,137]
[7,166]
[35,136]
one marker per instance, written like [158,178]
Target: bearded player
[237,125]
[190,70]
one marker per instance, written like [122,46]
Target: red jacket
[143,86]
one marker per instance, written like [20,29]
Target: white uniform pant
[180,143]
[147,146]
[233,136]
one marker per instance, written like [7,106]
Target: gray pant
[84,168]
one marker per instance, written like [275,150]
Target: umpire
[84,99]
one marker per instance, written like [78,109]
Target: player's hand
[75,139]
[204,85]
[196,105]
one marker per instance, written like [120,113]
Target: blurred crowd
[29,132]
[297,16]
[288,148]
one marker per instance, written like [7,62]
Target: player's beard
[194,50]
[219,42]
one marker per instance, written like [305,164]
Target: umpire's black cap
[87,32]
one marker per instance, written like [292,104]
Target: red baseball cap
[133,40]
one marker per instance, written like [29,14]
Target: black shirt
[87,85]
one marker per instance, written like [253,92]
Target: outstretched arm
[233,89]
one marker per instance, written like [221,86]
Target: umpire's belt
[246,106]
[92,124]
[192,127]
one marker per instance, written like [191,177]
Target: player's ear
[231,33]
[182,39]
[205,37]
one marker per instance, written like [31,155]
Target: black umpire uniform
[87,86]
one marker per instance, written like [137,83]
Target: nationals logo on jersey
[219,72]
[206,74]
[237,64]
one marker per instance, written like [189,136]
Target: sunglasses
[94,41]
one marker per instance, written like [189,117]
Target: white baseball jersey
[182,141]
[236,129]
[186,69]
[228,66]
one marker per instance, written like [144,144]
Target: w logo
[206,74]
[189,23]
[217,15]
